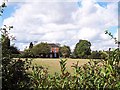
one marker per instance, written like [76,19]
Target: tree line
[82,50]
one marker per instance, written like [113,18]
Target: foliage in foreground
[97,75]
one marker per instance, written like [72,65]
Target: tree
[95,55]
[14,72]
[5,39]
[82,49]
[6,42]
[40,49]
[2,7]
[65,51]
[14,50]
[31,45]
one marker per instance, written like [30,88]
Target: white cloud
[87,33]
[63,22]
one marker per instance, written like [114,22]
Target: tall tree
[65,51]
[31,45]
[82,49]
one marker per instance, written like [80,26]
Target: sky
[62,22]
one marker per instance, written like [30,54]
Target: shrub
[94,74]
[14,72]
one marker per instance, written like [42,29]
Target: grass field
[54,66]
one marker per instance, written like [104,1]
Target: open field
[54,66]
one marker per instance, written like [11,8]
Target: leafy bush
[14,72]
[94,74]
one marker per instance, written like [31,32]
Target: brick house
[54,53]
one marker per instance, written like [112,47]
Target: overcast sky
[62,22]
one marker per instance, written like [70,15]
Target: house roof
[54,45]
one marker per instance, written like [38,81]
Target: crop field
[54,66]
